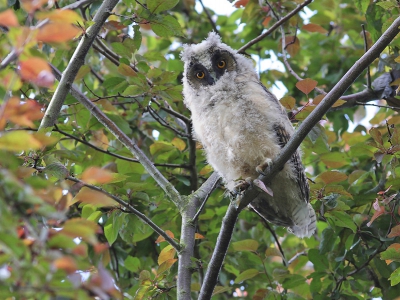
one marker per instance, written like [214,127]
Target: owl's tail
[307,229]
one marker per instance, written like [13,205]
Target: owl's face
[207,71]
[213,68]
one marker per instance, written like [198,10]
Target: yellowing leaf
[57,32]
[8,18]
[315,28]
[331,176]
[292,45]
[30,6]
[65,263]
[266,21]
[166,265]
[61,16]
[95,175]
[126,70]
[84,70]
[397,59]
[56,169]
[306,85]
[245,245]
[250,273]
[87,195]
[114,25]
[83,228]
[317,100]
[178,143]
[19,141]
[272,252]
[36,70]
[205,170]
[288,102]
[376,135]
[395,231]
[339,103]
[198,236]
[167,253]
[162,239]
[20,112]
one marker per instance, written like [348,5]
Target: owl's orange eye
[221,64]
[200,75]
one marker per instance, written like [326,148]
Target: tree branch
[275,26]
[130,209]
[278,162]
[169,189]
[189,217]
[13,55]
[77,60]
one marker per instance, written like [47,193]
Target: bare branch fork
[232,213]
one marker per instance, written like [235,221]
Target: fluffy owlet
[242,126]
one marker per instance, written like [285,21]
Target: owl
[242,127]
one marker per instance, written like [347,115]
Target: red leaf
[162,239]
[36,70]
[306,85]
[57,33]
[8,18]
[315,28]
[240,3]
[380,210]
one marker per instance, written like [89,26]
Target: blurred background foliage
[57,242]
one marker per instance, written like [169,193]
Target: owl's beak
[212,78]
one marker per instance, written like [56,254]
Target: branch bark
[77,60]
[279,161]
[169,189]
[188,230]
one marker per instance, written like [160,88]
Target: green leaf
[320,261]
[157,6]
[342,219]
[57,170]
[395,277]
[392,252]
[250,273]
[294,281]
[121,123]
[245,245]
[113,226]
[137,36]
[132,264]
[327,241]
[166,26]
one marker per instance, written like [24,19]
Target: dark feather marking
[283,138]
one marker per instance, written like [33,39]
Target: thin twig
[168,188]
[365,50]
[275,26]
[296,256]
[130,209]
[266,224]
[209,17]
[164,123]
[376,105]
[134,160]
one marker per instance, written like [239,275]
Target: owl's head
[211,61]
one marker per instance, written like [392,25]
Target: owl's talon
[242,185]
[260,168]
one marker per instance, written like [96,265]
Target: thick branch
[77,60]
[278,162]
[13,55]
[169,189]
[129,208]
[224,238]
[275,26]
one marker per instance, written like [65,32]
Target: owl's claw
[241,185]
[260,168]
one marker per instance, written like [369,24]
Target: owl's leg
[261,167]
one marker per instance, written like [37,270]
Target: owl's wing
[283,138]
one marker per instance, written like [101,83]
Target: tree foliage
[102,185]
